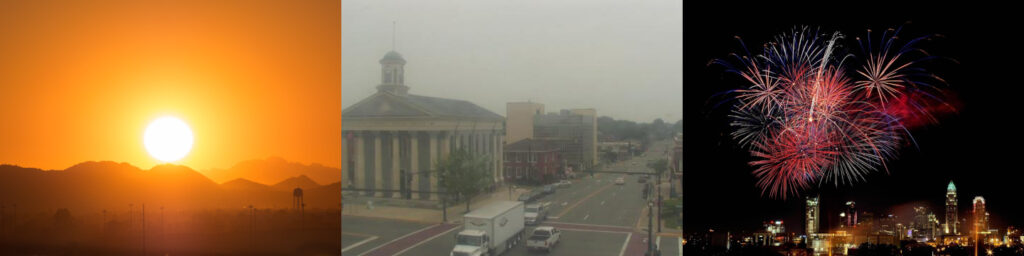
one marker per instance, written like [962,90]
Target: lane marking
[399,238]
[428,239]
[359,243]
[566,210]
[625,243]
[356,234]
[390,219]
[585,217]
[590,230]
[592,225]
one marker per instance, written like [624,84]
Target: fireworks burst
[807,119]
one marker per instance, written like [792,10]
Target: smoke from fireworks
[808,119]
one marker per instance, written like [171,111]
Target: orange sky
[80,80]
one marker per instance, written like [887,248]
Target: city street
[598,218]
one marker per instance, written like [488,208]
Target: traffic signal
[402,183]
[408,186]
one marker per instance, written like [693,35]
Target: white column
[414,161]
[458,140]
[395,165]
[378,177]
[360,163]
[498,178]
[501,154]
[433,160]
[446,144]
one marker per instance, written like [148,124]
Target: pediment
[383,105]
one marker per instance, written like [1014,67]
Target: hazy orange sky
[81,80]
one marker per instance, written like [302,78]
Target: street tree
[464,174]
[659,166]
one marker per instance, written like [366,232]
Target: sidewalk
[641,224]
[430,216]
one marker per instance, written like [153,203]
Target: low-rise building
[531,160]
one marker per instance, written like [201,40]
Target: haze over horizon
[621,58]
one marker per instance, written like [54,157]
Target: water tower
[297,202]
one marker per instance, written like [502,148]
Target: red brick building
[530,160]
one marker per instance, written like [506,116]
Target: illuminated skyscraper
[980,215]
[951,219]
[934,224]
[774,227]
[812,216]
[848,217]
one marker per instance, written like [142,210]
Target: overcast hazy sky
[623,58]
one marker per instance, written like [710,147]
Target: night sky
[978,147]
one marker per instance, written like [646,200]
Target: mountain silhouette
[110,185]
[295,182]
[272,170]
[241,184]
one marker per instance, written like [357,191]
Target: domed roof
[392,56]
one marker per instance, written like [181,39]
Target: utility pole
[657,189]
[162,233]
[650,230]
[143,229]
[103,224]
[444,201]
[131,224]
[252,227]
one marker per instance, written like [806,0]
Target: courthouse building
[393,130]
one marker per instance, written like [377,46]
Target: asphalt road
[572,243]
[608,213]
[373,231]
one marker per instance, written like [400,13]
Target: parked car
[543,238]
[549,189]
[531,196]
[535,213]
[620,181]
[564,183]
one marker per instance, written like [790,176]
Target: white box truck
[490,230]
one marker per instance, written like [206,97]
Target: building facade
[980,215]
[813,219]
[574,133]
[392,132]
[848,217]
[519,120]
[533,161]
[952,223]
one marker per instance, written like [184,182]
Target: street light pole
[444,202]
[650,230]
[143,229]
[657,189]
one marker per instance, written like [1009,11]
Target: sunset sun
[168,139]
